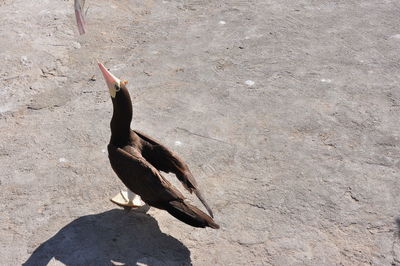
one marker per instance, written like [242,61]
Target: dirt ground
[286,111]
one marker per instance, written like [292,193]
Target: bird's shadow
[112,236]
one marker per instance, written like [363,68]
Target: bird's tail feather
[190,214]
[201,198]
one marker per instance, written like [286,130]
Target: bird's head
[114,84]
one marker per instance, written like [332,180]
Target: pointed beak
[113,82]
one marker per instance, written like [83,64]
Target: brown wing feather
[190,214]
[168,161]
[143,179]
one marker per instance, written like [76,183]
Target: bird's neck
[121,119]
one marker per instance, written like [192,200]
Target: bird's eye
[117,88]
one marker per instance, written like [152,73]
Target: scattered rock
[76,45]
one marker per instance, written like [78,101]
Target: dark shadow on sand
[112,236]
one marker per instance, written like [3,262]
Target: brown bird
[137,159]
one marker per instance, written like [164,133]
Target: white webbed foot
[128,200]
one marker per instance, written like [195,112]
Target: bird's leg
[134,198]
[128,199]
[131,195]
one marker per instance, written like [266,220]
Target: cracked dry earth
[286,111]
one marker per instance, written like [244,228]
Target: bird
[80,18]
[137,160]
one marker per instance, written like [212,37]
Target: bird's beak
[113,82]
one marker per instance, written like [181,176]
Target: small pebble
[249,82]
[76,45]
[222,22]
[326,80]
[62,160]
[24,60]
[178,143]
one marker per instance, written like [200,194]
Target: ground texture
[286,111]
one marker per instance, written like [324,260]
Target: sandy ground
[286,111]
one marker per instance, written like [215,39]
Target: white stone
[178,143]
[24,60]
[326,80]
[76,45]
[249,83]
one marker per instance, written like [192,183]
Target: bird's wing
[168,161]
[141,177]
